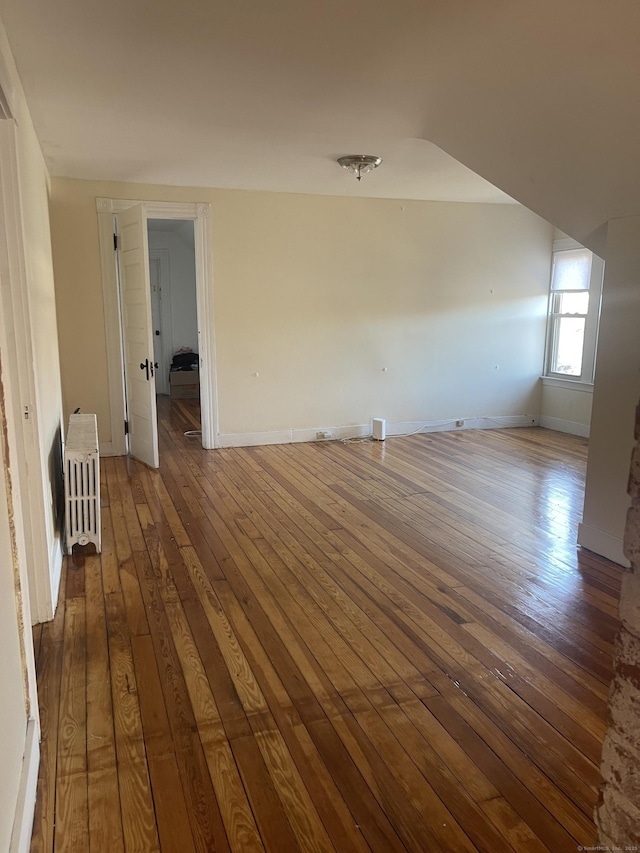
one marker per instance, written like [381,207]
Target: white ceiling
[540,98]
[249,95]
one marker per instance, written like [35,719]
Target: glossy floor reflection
[331,647]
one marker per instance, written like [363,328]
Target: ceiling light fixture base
[359,164]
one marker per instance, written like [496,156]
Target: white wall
[616,394]
[29,485]
[43,397]
[13,713]
[44,339]
[317,294]
[567,409]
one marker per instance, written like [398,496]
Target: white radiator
[82,482]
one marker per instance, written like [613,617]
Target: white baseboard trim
[26,804]
[602,543]
[56,574]
[485,422]
[46,609]
[289,436]
[564,426]
[293,436]
[337,433]
[252,439]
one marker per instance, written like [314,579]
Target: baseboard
[26,804]
[45,610]
[337,433]
[564,426]
[293,436]
[602,543]
[252,439]
[55,564]
[484,422]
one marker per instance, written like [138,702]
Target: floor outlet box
[379,429]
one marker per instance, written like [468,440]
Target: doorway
[174,215]
[174,315]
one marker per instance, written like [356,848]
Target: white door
[157,297]
[138,335]
[161,316]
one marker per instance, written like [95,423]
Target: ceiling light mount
[360,164]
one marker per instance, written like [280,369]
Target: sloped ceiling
[541,99]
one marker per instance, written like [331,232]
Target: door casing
[200,214]
[43,567]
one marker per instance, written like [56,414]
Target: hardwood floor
[330,646]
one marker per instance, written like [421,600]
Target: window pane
[572,303]
[571,270]
[567,356]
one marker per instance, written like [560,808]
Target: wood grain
[72,816]
[330,647]
[103,789]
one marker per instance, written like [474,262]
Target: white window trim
[591,325]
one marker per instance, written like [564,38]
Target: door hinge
[126,427]
[115,242]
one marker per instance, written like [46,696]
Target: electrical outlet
[459,423]
[323,435]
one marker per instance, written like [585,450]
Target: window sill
[568,384]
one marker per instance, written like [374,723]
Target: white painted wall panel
[318,294]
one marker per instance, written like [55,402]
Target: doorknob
[151,367]
[144,365]
[156,365]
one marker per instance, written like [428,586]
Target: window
[574,310]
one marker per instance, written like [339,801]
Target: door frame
[43,568]
[23,546]
[200,214]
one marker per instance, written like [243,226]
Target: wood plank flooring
[330,647]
